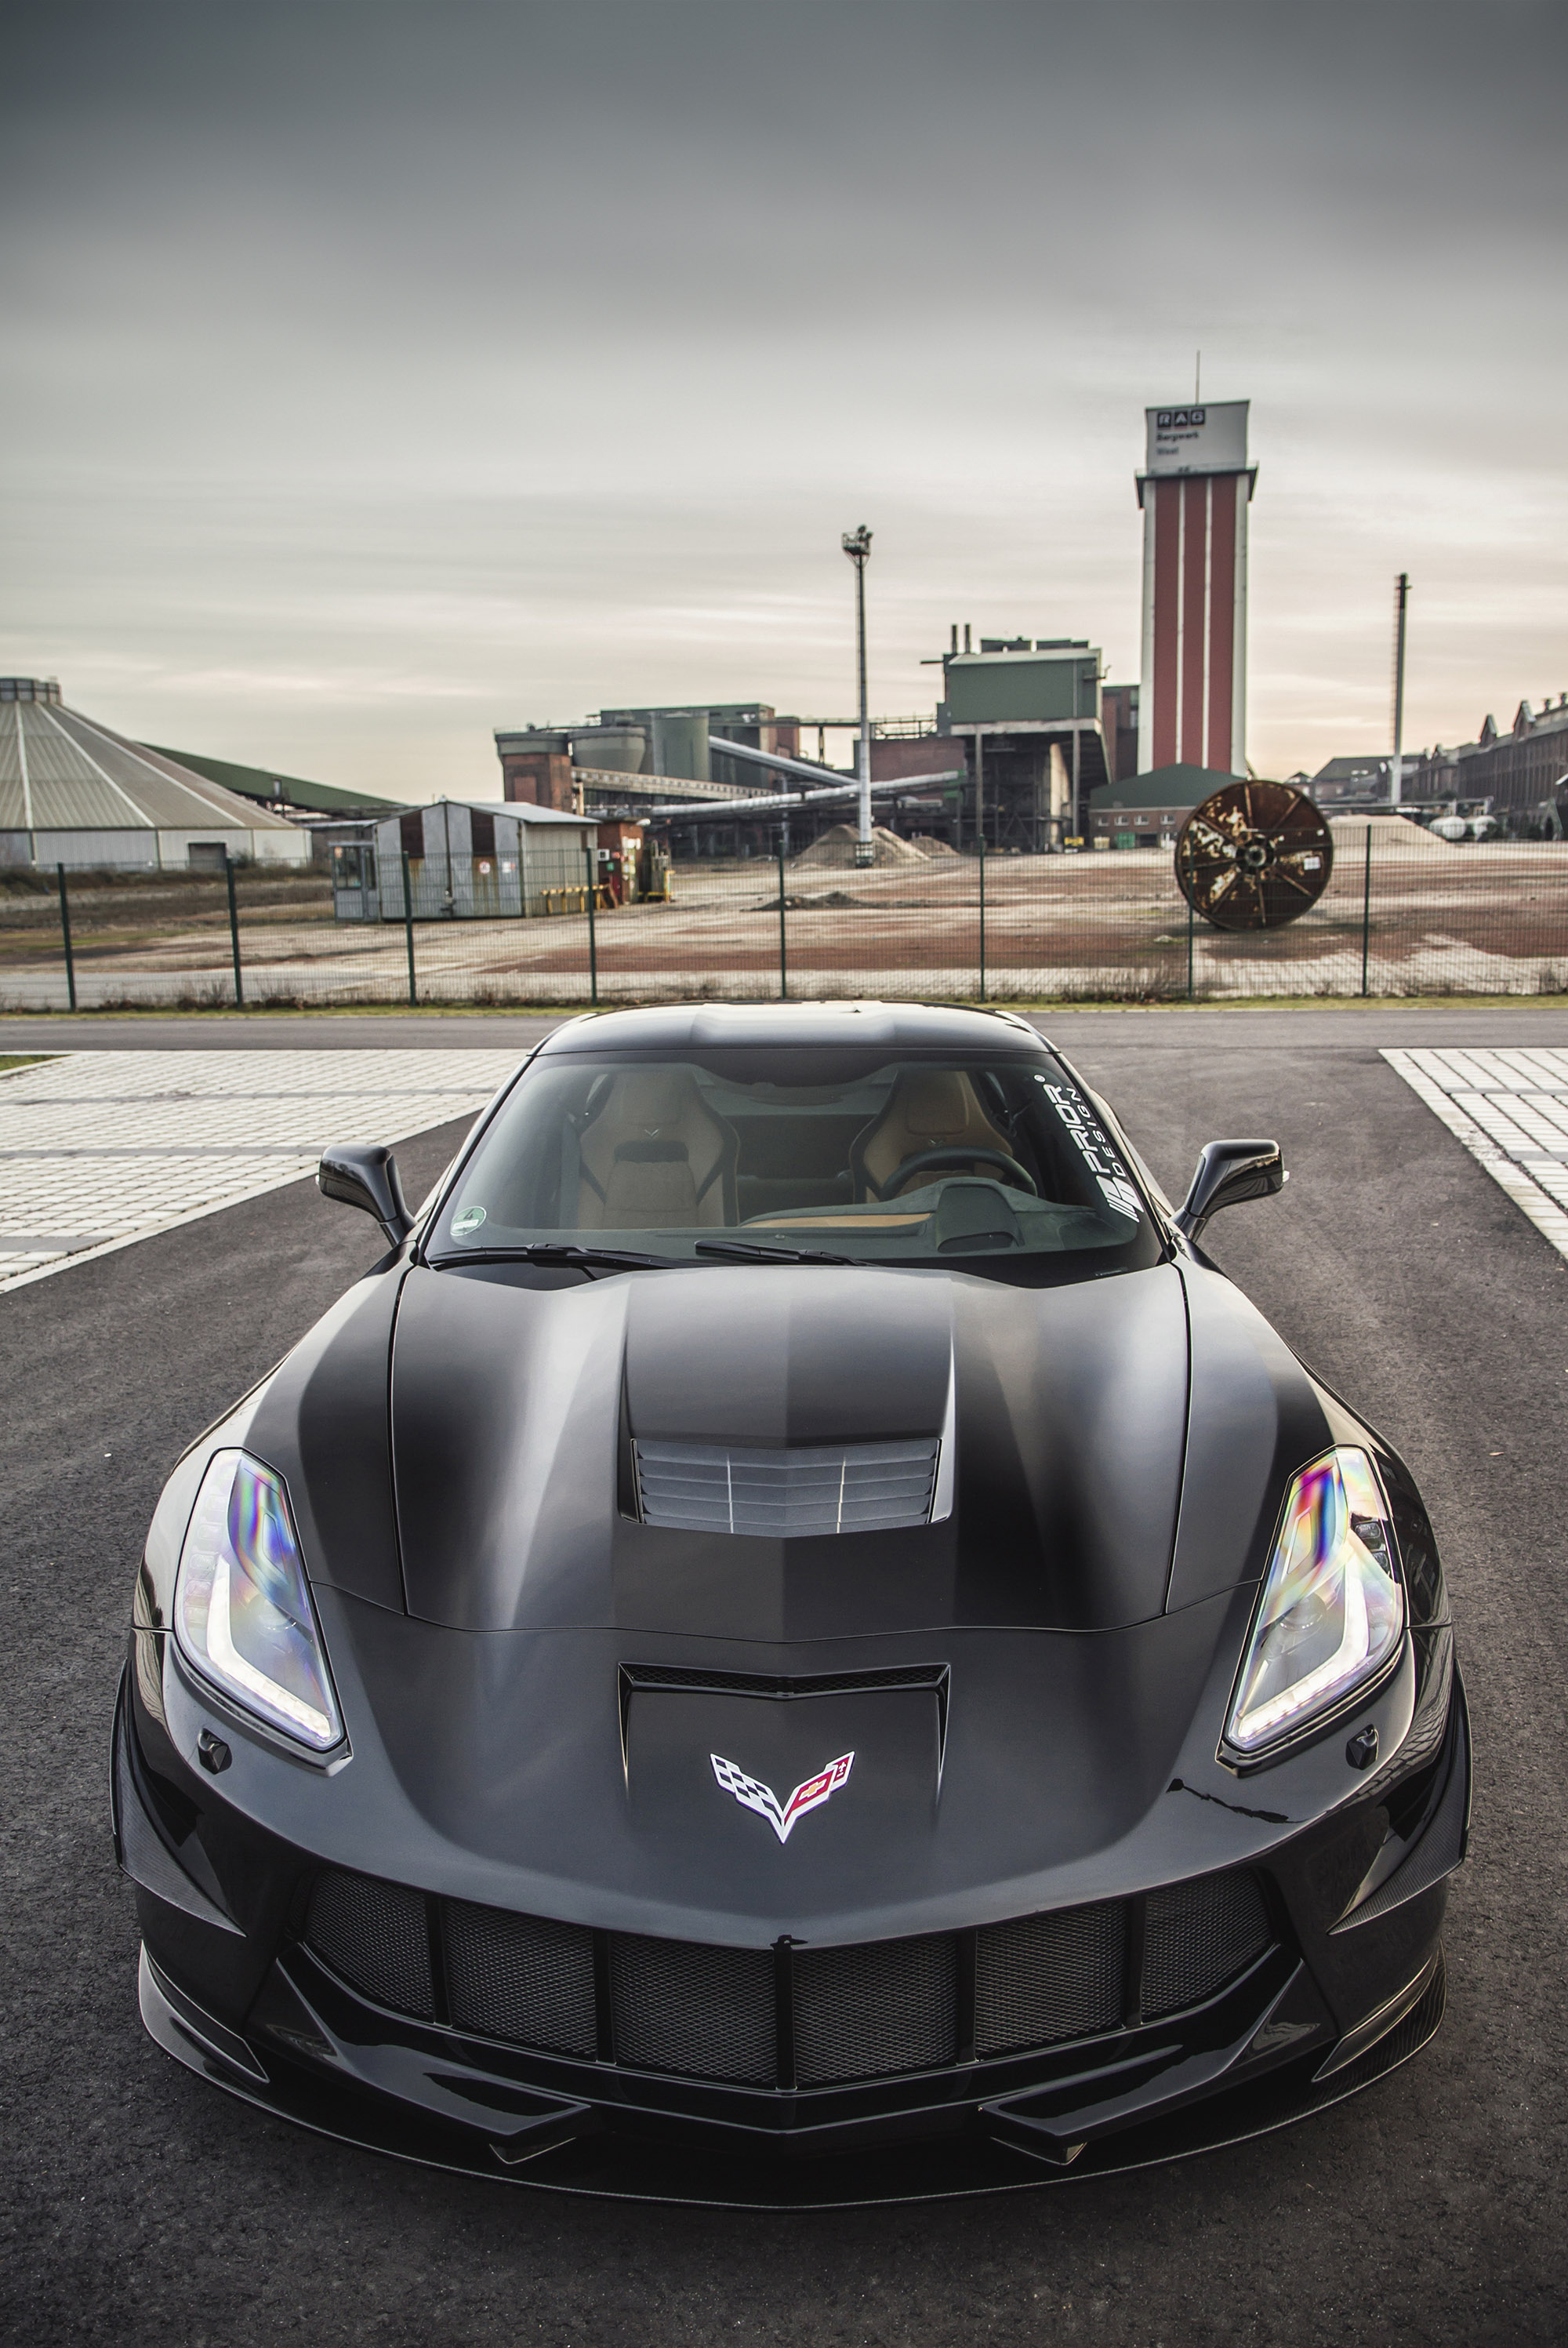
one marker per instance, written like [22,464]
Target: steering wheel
[925,1160]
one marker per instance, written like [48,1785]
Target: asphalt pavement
[140,2205]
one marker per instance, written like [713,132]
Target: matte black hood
[514,1411]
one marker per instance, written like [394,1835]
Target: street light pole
[1395,771]
[858,546]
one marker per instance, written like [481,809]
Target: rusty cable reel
[1253,856]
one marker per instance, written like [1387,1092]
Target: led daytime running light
[232,1664]
[1332,1611]
[243,1613]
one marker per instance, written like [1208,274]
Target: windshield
[837,1151]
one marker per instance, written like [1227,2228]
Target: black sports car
[793,1612]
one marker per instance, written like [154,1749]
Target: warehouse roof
[262,783]
[60,771]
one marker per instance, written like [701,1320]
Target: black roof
[879,1026]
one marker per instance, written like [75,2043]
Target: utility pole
[1396,776]
[858,546]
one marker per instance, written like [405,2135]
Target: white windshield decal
[1098,1150]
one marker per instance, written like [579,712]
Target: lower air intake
[704,2012]
[520,1978]
[1199,1936]
[884,2006]
[376,1936]
[874,2010]
[861,1488]
[1046,1978]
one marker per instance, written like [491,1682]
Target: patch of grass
[11,1061]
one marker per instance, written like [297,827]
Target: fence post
[66,935]
[408,925]
[1190,925]
[982,846]
[234,932]
[589,846]
[1366,910]
[784,950]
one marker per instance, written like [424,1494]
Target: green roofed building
[286,794]
[1149,811]
[1029,713]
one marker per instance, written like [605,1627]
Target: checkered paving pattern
[1510,1108]
[98,1150]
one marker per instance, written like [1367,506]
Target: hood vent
[857,1488]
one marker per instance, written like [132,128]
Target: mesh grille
[520,1977]
[1049,1977]
[376,1936]
[786,1494]
[860,2013]
[708,2013]
[1198,1936]
[887,2005]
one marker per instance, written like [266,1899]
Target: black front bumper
[1339,1997]
[566,2148]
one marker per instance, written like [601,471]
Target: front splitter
[604,2167]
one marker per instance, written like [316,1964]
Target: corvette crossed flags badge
[752,1795]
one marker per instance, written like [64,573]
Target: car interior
[680,1145]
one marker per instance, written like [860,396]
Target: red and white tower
[1195,492]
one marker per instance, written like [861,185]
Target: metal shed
[467,861]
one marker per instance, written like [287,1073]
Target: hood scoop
[813,1488]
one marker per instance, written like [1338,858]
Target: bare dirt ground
[1491,920]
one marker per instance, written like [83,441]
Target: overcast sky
[375,377]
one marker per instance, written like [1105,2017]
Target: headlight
[243,1614]
[1332,1611]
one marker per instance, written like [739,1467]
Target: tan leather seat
[656,1159]
[928,1108]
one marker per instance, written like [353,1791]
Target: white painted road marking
[1510,1108]
[98,1150]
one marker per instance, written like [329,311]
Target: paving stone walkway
[1510,1108]
[99,1149]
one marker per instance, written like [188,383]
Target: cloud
[541,354]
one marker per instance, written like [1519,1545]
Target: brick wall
[540,776]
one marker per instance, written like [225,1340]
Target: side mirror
[364,1174]
[1228,1172]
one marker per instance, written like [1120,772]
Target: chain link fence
[1396,919]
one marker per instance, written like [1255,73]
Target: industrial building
[1520,776]
[1346,784]
[1194,490]
[623,756]
[1028,716]
[1012,749]
[1118,706]
[73,792]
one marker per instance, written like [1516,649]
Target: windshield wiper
[753,1251]
[565,1253]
